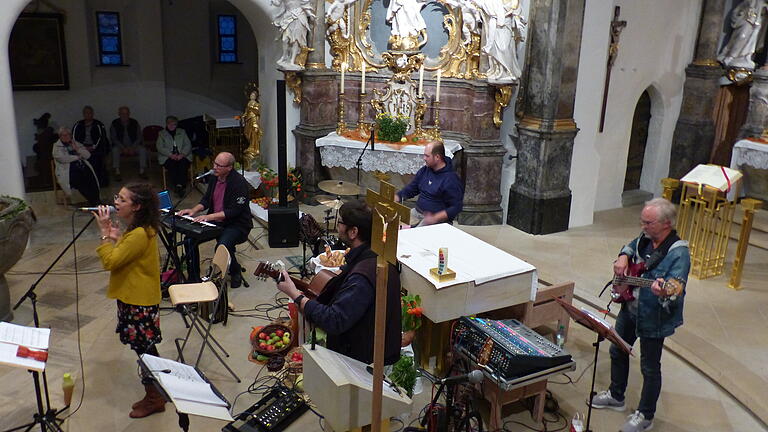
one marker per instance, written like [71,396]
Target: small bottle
[560,337]
[67,385]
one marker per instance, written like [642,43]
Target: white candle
[362,86]
[421,81]
[437,91]
[343,69]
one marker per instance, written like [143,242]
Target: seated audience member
[174,153]
[441,194]
[72,168]
[92,134]
[346,310]
[126,137]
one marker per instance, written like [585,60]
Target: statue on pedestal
[294,21]
[746,20]
[407,25]
[334,16]
[502,28]
[251,121]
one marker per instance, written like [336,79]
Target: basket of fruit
[274,339]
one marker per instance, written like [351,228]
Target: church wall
[655,48]
[139,84]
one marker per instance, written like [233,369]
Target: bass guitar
[621,290]
[310,289]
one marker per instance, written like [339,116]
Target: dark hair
[357,214]
[170,117]
[87,107]
[148,214]
[438,149]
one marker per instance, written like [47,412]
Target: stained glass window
[227,27]
[110,44]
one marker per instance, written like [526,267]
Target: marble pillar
[540,199]
[695,130]
[757,115]
[316,57]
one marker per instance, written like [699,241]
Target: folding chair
[210,290]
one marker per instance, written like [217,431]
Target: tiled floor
[725,333]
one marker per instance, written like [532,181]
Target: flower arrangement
[270,181]
[391,127]
[411,312]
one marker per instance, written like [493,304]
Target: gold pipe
[750,206]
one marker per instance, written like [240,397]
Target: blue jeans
[650,364]
[231,237]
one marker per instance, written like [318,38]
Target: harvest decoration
[411,312]
[391,127]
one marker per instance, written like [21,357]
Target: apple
[273,334]
[279,333]
[287,340]
[263,345]
[270,347]
[286,334]
[262,335]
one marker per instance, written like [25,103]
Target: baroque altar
[464,60]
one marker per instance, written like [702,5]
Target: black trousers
[81,178]
[178,171]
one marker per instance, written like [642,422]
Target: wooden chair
[211,291]
[57,187]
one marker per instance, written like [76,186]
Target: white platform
[487,278]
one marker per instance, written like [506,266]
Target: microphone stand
[46,416]
[359,162]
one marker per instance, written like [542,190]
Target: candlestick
[421,81]
[437,91]
[343,70]
[362,86]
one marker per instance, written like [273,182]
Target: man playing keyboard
[226,201]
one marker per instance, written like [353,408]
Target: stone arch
[654,144]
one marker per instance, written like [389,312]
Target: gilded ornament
[502,96]
[293,81]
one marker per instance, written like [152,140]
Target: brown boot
[152,403]
[141,402]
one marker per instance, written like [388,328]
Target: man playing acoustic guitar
[650,313]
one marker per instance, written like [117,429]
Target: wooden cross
[613,51]
[387,214]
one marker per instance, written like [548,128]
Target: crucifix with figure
[613,51]
[387,214]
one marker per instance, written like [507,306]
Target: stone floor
[714,368]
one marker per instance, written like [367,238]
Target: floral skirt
[138,326]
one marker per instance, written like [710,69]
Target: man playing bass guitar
[346,307]
[650,313]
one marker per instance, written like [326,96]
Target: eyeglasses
[220,165]
[118,198]
[647,223]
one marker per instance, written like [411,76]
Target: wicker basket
[271,329]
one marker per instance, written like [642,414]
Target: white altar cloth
[487,278]
[337,151]
[224,120]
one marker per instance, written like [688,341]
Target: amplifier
[509,348]
[273,413]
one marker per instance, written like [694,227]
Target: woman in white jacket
[72,168]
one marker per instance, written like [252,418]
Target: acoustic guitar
[310,289]
[621,290]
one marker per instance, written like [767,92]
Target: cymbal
[339,187]
[333,202]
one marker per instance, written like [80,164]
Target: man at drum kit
[441,194]
[346,307]
[647,314]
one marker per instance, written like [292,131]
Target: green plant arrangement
[404,374]
[391,127]
[8,210]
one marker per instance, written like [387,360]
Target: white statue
[746,20]
[470,16]
[407,24]
[502,28]
[334,14]
[294,21]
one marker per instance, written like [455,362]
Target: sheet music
[29,337]
[182,382]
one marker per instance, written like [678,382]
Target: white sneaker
[636,422]
[604,399]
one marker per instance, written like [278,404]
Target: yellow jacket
[134,265]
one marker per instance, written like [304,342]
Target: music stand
[604,331]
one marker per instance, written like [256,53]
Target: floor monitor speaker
[283,227]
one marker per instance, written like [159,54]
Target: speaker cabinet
[283,227]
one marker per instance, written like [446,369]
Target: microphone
[111,209]
[473,377]
[203,175]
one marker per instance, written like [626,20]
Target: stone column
[540,199]
[316,57]
[757,115]
[695,130]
